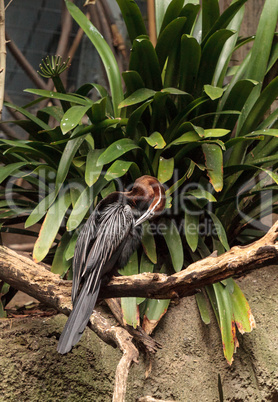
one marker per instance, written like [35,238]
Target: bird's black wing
[113,228]
[110,231]
[84,242]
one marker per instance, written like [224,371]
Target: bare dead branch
[29,277]
[24,63]
[145,342]
[240,260]
[37,281]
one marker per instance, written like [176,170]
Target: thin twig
[9,3]
[31,278]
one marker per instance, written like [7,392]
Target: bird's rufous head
[149,195]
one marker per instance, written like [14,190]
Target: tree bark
[24,274]
[37,281]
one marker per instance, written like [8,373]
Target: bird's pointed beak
[146,215]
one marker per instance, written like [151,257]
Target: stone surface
[185,369]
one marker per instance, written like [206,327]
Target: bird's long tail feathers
[78,319]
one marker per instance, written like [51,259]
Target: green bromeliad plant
[186,116]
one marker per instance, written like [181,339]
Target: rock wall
[185,369]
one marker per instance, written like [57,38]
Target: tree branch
[22,273]
[37,281]
[240,260]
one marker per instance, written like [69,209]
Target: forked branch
[37,281]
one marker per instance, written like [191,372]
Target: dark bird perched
[109,237]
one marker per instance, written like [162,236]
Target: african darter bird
[109,237]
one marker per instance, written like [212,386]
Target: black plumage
[109,237]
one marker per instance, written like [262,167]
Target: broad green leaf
[186,176]
[69,251]
[263,41]
[175,91]
[134,119]
[244,167]
[130,311]
[215,132]
[106,54]
[83,203]
[93,171]
[8,170]
[79,161]
[172,12]
[219,230]
[68,154]
[242,312]
[138,96]
[115,150]
[117,169]
[133,82]
[108,189]
[148,242]
[235,101]
[165,169]
[160,9]
[60,264]
[34,150]
[222,67]
[210,56]
[51,226]
[80,208]
[146,265]
[189,62]
[213,92]
[40,210]
[190,11]
[3,290]
[203,307]
[190,136]
[129,304]
[173,128]
[201,193]
[210,14]
[73,98]
[154,311]
[229,282]
[72,117]
[133,19]
[270,131]
[214,165]
[29,115]
[227,324]
[168,38]
[225,18]
[174,243]
[155,140]
[191,230]
[54,111]
[212,298]
[131,267]
[261,106]
[143,59]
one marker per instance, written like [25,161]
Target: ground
[185,369]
